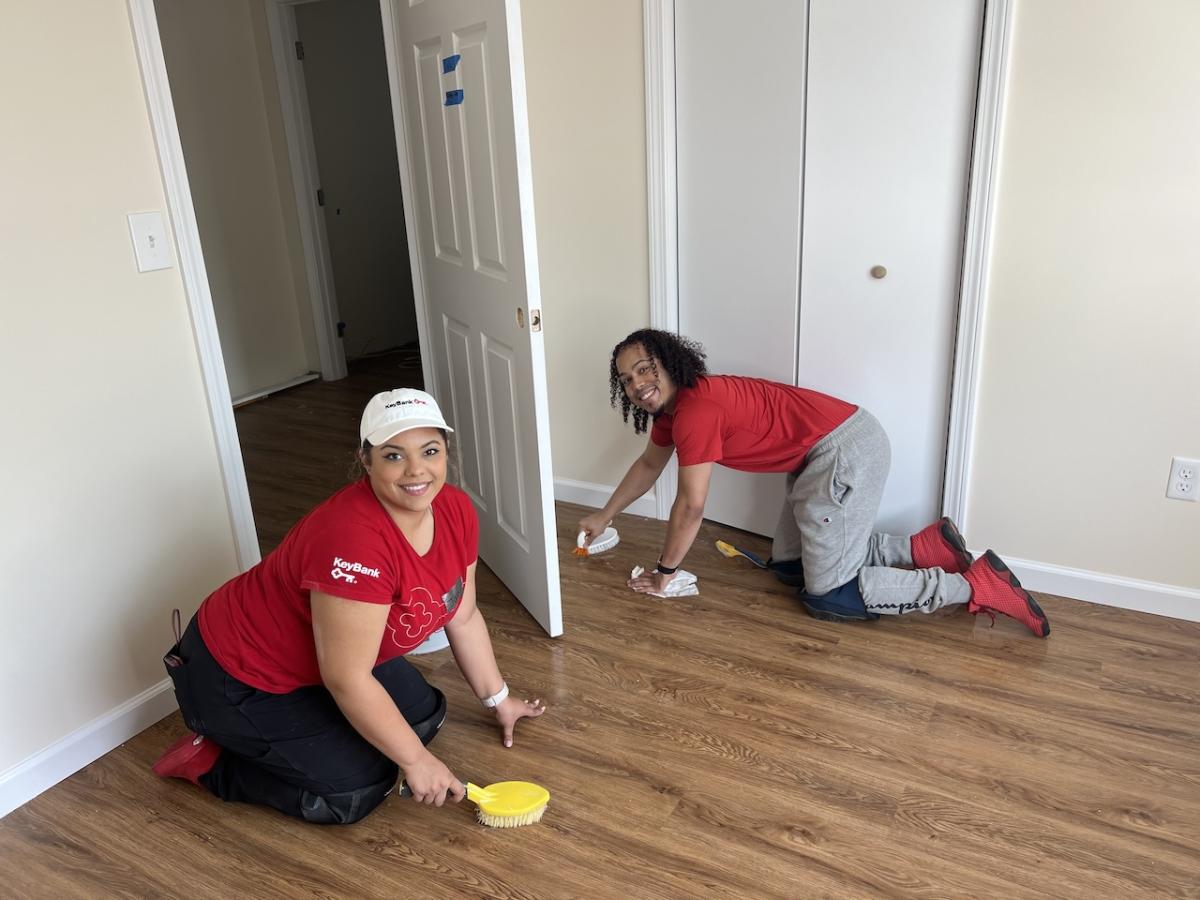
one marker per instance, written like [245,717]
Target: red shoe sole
[954,538]
[998,565]
[941,546]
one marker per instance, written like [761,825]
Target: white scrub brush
[606,541]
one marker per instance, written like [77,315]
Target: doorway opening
[285,119]
[456,85]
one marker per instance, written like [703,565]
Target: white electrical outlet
[1184,483]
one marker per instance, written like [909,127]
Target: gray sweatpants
[828,523]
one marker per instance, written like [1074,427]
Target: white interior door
[891,108]
[462,129]
[845,147]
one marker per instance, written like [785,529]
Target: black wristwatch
[665,570]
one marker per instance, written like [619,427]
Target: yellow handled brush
[505,804]
[508,804]
[732,552]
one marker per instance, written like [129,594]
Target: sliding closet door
[891,103]
[817,142]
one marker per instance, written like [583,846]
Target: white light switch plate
[149,233]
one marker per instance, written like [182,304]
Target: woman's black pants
[295,752]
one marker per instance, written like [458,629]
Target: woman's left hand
[512,710]
[651,582]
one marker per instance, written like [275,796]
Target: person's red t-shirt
[258,626]
[748,423]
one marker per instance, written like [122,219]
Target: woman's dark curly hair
[682,357]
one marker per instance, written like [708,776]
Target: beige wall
[232,143]
[114,510]
[1091,358]
[583,63]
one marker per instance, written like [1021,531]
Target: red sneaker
[995,589]
[189,757]
[941,546]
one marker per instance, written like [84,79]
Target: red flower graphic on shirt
[415,622]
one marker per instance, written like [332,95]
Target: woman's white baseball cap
[392,412]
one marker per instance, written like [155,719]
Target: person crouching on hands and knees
[292,675]
[837,458]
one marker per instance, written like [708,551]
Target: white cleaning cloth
[682,585]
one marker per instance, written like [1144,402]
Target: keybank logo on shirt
[344,570]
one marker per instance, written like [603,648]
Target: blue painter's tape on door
[453,98]
[450,63]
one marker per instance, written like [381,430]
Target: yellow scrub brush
[505,804]
[508,804]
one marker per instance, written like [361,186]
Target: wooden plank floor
[725,745]
[299,445]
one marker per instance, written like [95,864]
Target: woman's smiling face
[408,470]
[646,382]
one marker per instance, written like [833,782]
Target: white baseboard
[1079,584]
[275,388]
[1108,590]
[596,495]
[65,757]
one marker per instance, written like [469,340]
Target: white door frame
[195,278]
[302,158]
[662,207]
[977,256]
[662,194]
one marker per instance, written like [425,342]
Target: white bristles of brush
[510,821]
[606,541]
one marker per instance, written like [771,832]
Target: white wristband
[496,699]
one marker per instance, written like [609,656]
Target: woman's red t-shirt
[258,626]
[748,423]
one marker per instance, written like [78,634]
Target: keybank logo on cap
[405,403]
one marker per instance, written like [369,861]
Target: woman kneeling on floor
[836,455]
[292,675]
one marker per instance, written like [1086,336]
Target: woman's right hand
[431,782]
[593,526]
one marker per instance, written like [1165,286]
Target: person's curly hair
[682,357]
